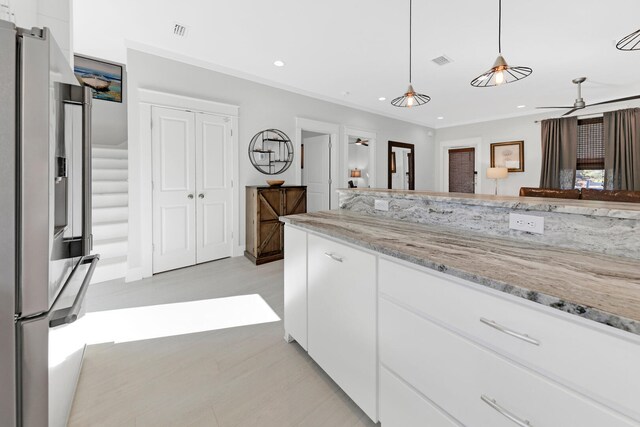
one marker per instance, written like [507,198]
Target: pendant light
[410,98]
[501,72]
[630,42]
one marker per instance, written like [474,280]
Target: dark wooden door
[462,170]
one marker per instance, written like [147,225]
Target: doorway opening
[317,169]
[359,159]
[401,166]
[462,170]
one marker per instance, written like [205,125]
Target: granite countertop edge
[586,312]
[582,207]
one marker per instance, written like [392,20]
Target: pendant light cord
[410,11]
[500,26]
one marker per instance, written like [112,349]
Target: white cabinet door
[213,187]
[295,285]
[174,218]
[342,318]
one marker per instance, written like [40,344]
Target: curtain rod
[586,116]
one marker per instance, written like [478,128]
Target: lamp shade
[356,173]
[497,173]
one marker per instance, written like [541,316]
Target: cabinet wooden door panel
[264,231]
[341,318]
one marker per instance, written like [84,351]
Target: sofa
[583,194]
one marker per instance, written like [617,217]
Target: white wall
[261,107]
[512,129]
[54,14]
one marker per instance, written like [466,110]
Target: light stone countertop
[598,287]
[570,206]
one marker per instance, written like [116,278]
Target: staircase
[110,212]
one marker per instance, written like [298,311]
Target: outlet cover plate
[381,205]
[528,223]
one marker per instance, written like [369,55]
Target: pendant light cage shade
[630,42]
[500,74]
[410,99]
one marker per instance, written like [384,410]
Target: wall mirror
[401,166]
[359,158]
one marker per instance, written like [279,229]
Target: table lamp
[497,173]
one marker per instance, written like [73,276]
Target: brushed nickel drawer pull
[523,337]
[504,412]
[333,257]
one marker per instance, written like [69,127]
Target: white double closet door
[192,160]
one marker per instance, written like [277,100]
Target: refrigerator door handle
[70,315]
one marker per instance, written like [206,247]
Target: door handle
[333,257]
[190,196]
[502,411]
[201,196]
[70,315]
[504,329]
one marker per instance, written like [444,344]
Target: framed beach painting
[103,77]
[508,155]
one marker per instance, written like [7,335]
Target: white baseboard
[133,274]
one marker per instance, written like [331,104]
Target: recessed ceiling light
[382,98]
[440,118]
[521,106]
[278,63]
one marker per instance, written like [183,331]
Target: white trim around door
[445,146]
[332,129]
[147,99]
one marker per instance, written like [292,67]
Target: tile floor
[238,376]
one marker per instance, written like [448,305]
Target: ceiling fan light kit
[630,42]
[410,98]
[501,72]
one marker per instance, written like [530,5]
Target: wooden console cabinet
[264,231]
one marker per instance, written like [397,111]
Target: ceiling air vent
[179,30]
[442,60]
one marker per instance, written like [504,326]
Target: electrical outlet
[528,223]
[381,205]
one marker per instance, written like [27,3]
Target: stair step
[111,248]
[105,187]
[110,200]
[109,153]
[102,215]
[106,163]
[110,269]
[110,174]
[110,230]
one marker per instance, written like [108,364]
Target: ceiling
[355,51]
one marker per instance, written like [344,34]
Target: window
[590,164]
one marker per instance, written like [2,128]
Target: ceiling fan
[579,103]
[364,142]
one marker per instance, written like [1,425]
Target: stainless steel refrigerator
[45,227]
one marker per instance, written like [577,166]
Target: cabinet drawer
[601,365]
[457,374]
[342,297]
[400,406]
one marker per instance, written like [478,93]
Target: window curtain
[622,149]
[559,153]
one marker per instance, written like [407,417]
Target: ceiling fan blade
[568,106]
[570,111]
[611,101]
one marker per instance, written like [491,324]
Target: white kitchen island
[428,326]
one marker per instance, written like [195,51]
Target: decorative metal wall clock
[271,151]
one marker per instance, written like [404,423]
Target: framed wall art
[103,77]
[508,155]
